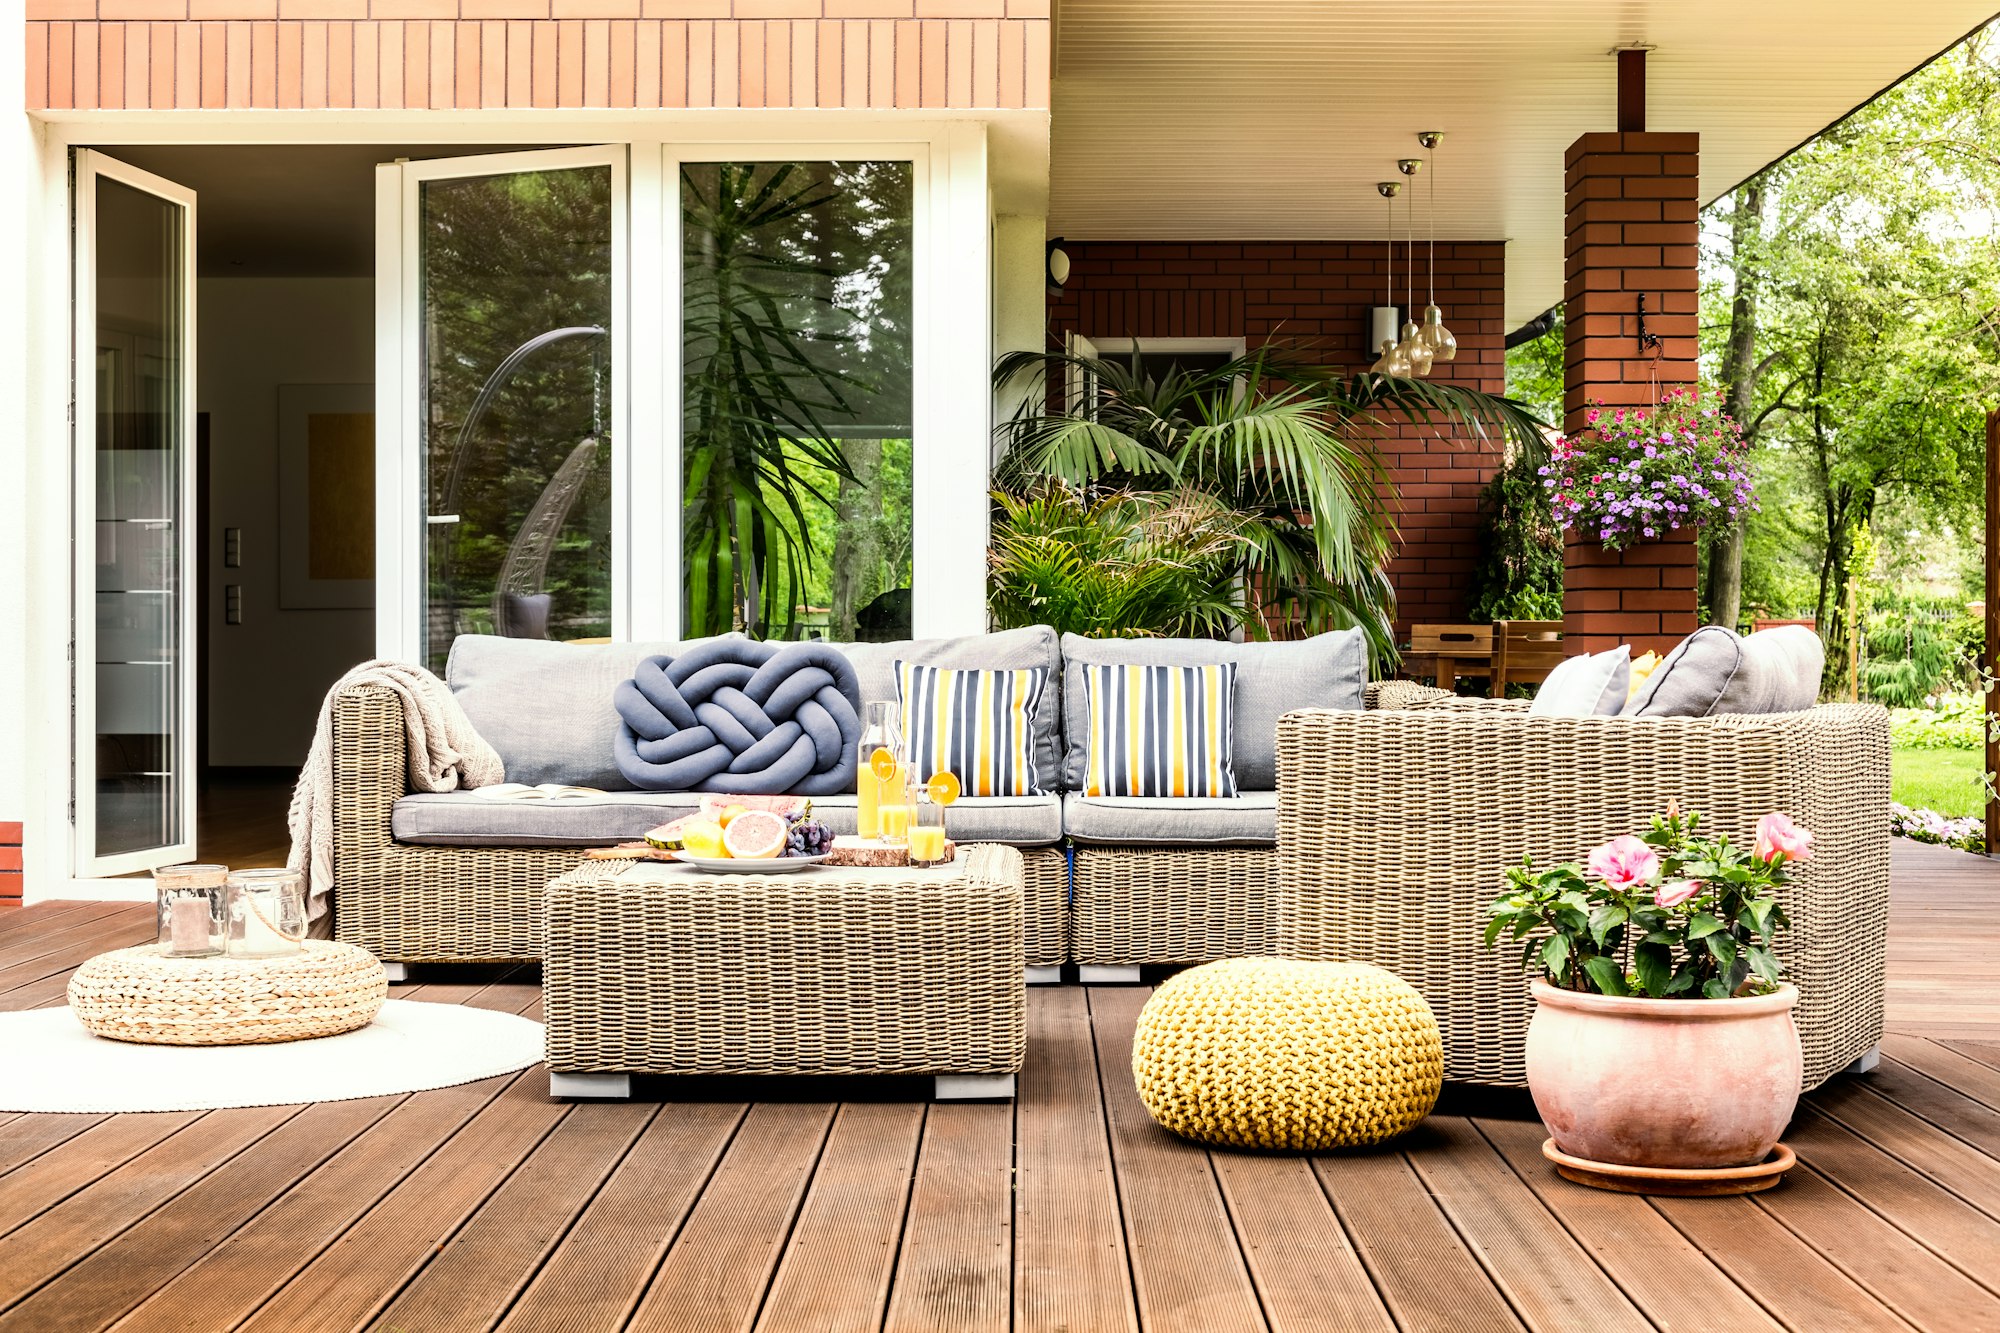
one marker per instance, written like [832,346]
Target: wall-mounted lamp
[1056,265]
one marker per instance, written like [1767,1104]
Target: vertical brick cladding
[204,55]
[10,864]
[1320,293]
[1632,206]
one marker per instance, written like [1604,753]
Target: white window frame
[90,168]
[400,540]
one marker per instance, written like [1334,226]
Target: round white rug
[52,1064]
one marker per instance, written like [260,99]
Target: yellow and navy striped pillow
[975,724]
[1160,730]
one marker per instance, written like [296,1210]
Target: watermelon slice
[667,837]
[793,808]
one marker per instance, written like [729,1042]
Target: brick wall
[1321,292]
[10,864]
[366,54]
[1632,207]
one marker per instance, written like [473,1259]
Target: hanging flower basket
[1637,473]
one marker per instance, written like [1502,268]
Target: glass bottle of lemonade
[878,732]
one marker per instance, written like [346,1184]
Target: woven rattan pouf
[1272,1053]
[141,995]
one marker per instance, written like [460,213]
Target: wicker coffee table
[141,995]
[655,968]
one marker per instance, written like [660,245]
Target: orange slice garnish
[882,764]
[944,787]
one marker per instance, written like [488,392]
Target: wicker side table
[656,968]
[141,995]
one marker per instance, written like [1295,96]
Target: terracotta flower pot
[1664,1083]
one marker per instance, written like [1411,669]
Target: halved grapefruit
[756,835]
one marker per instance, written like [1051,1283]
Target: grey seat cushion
[1249,819]
[1006,650]
[1272,679]
[464,819]
[1715,671]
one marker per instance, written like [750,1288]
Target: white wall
[1020,295]
[266,677]
[20,209]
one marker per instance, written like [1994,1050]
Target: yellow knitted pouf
[1273,1053]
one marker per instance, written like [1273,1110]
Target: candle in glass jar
[187,925]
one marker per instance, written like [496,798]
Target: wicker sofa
[1395,825]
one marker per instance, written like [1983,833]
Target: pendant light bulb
[1438,338]
[1391,359]
[1412,347]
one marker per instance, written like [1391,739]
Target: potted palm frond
[1281,444]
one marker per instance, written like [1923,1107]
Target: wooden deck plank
[24,950]
[1985,1052]
[1949,1110]
[86,942]
[1950,1227]
[1306,1272]
[1771,1263]
[54,1240]
[474,1277]
[1955,1164]
[834,1276]
[1949,1068]
[599,1270]
[48,917]
[1188,1271]
[1890,1266]
[1427,1276]
[1656,1267]
[35,1187]
[954,1270]
[716,1272]
[1547,1277]
[120,1273]
[352,1278]
[26,1137]
[245,1270]
[1070,1267]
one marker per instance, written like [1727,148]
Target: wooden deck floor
[805,1206]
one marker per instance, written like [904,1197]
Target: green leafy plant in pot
[1663,1034]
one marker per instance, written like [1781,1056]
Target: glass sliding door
[135,554]
[511,269]
[796,291]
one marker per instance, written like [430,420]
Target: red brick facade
[1321,293]
[1632,205]
[10,864]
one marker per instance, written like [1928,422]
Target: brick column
[1632,203]
[10,864]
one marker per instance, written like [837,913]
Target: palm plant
[1115,562]
[1268,436]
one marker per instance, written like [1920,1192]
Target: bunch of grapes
[809,837]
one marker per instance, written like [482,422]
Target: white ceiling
[1272,119]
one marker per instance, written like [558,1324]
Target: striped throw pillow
[1160,730]
[975,724]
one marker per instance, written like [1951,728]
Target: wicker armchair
[412,904]
[1394,828]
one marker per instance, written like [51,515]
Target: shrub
[1520,572]
[1949,722]
[1966,835]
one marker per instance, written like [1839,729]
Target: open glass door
[135,494]
[505,398]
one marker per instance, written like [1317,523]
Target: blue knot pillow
[736,715]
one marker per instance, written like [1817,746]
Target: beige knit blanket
[445,753]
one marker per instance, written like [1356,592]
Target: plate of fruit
[741,839]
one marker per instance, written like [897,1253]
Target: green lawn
[1946,781]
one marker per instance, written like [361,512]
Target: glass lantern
[267,913]
[191,900]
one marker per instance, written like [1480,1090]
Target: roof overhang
[1273,119]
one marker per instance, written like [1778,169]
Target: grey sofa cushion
[1248,819]
[463,819]
[545,706]
[1010,649]
[1325,671]
[1715,671]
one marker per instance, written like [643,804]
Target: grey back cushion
[1715,671]
[1272,679]
[546,707]
[1006,650]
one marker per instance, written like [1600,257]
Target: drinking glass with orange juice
[927,840]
